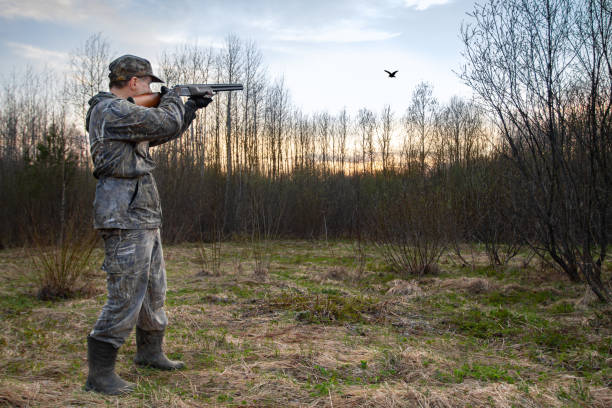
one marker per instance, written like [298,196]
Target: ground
[312,323]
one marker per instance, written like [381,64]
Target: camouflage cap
[128,66]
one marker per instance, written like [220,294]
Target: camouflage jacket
[120,134]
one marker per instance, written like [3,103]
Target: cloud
[32,52]
[56,10]
[95,15]
[339,35]
[424,4]
[180,38]
[340,32]
[173,38]
[38,55]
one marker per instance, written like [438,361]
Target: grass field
[301,324]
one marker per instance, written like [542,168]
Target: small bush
[410,229]
[59,269]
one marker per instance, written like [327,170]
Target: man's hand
[201,101]
[192,105]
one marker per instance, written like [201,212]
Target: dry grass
[245,342]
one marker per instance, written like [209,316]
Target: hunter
[128,214]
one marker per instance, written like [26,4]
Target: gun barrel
[201,89]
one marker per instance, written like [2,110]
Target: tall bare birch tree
[421,116]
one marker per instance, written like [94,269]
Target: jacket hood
[93,102]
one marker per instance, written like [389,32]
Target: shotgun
[151,100]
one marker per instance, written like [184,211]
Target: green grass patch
[498,322]
[13,305]
[523,297]
[565,346]
[498,272]
[563,308]
[183,296]
[301,259]
[446,302]
[556,339]
[323,381]
[480,372]
[286,274]
[241,292]
[324,308]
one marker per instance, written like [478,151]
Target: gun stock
[151,100]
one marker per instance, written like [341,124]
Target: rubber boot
[101,358]
[149,351]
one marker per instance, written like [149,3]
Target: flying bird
[391,74]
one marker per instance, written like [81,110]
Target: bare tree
[254,82]
[343,130]
[421,115]
[89,71]
[276,116]
[543,68]
[323,124]
[384,137]
[408,151]
[367,126]
[189,64]
[231,61]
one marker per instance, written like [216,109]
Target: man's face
[142,85]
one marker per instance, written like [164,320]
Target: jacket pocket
[134,194]
[120,266]
[145,197]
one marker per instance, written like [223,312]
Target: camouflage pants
[136,282]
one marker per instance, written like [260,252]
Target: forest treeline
[526,164]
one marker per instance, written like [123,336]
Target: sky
[331,54]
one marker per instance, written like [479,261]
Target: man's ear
[132,83]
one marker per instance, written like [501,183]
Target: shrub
[410,230]
[59,269]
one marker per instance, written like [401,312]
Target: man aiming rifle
[127,213]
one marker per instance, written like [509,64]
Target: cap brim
[155,79]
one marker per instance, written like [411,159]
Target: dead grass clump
[261,272]
[410,325]
[204,273]
[409,289]
[15,393]
[602,319]
[338,273]
[496,394]
[472,286]
[219,300]
[279,392]
[589,298]
[470,393]
[601,397]
[12,397]
[396,395]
